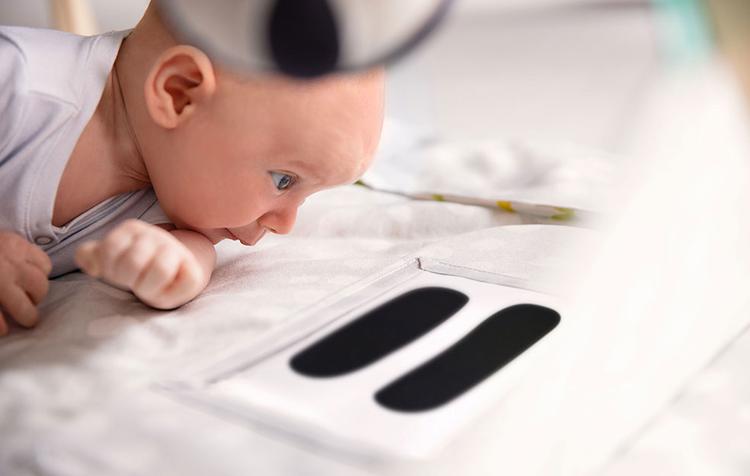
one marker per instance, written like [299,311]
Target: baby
[130,156]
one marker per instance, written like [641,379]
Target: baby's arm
[165,269]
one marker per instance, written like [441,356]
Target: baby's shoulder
[12,75]
[39,82]
[42,62]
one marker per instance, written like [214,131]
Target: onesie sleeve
[154,215]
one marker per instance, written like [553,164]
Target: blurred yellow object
[731,20]
[74,16]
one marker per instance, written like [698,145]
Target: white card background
[341,412]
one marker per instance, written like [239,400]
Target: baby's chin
[220,234]
[217,235]
[214,235]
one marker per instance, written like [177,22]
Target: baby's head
[231,156]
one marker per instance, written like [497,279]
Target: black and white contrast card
[396,368]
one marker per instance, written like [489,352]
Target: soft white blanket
[75,393]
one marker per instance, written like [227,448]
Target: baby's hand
[146,259]
[23,280]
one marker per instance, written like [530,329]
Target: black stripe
[303,37]
[379,332]
[487,348]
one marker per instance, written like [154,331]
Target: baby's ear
[181,80]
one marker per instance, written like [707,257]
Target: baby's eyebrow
[305,167]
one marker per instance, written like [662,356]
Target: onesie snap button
[42,240]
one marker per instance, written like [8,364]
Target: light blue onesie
[50,86]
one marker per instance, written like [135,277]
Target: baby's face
[243,165]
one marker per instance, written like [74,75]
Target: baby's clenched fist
[23,280]
[148,260]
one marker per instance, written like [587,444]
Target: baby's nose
[279,221]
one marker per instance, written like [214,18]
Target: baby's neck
[106,160]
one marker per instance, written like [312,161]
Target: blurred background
[554,70]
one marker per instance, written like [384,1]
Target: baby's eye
[282,181]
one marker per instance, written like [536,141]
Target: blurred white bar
[74,16]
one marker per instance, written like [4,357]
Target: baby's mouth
[234,237]
[231,236]
[257,239]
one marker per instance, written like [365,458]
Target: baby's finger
[159,274]
[39,258]
[3,325]
[134,261]
[87,258]
[112,247]
[18,304]
[34,283]
[185,286]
